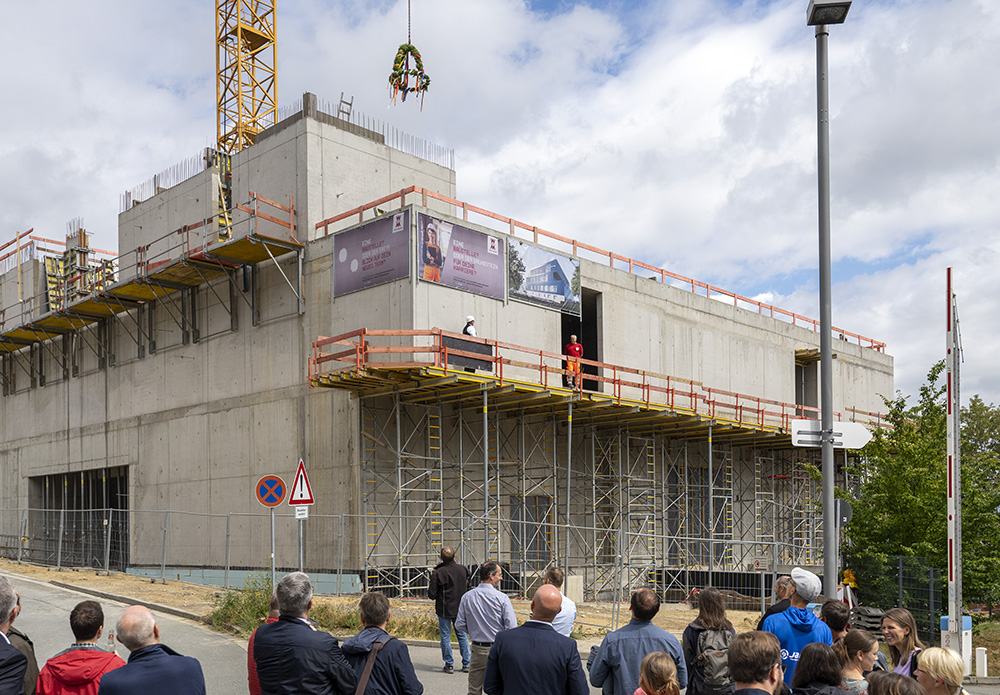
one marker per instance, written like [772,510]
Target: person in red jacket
[272,617]
[78,670]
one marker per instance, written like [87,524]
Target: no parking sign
[270,490]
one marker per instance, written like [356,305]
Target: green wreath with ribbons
[399,79]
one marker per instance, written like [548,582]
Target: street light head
[827,12]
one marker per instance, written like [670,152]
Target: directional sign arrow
[846,435]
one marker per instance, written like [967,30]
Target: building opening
[78,519]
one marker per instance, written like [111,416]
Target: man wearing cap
[797,626]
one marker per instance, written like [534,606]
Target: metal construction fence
[907,582]
[159,543]
[607,560]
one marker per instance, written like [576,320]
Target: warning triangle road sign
[301,492]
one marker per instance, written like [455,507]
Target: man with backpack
[706,646]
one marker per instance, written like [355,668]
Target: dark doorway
[591,338]
[79,519]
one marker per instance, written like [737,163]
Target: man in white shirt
[563,622]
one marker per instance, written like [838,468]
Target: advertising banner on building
[372,254]
[459,257]
[543,277]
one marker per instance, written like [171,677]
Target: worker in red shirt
[575,352]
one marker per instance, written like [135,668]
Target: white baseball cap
[470,318]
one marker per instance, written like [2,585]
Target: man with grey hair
[13,663]
[782,590]
[152,668]
[293,657]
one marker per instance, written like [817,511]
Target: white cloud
[682,134]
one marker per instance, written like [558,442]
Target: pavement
[45,619]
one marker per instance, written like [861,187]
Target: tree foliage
[515,270]
[901,507]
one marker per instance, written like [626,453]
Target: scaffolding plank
[252,248]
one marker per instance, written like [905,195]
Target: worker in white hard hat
[470,326]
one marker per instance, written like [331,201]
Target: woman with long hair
[940,671]
[858,652]
[900,630]
[818,671]
[706,643]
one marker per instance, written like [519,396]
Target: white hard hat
[470,318]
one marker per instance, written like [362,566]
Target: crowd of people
[793,651]
[86,669]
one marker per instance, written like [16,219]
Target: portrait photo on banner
[457,256]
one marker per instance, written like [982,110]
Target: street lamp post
[820,14]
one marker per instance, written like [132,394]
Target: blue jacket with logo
[795,628]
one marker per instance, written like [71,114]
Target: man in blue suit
[291,656]
[13,663]
[534,658]
[152,668]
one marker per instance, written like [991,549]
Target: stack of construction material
[867,618]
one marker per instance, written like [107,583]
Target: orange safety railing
[189,241]
[624,385]
[695,286]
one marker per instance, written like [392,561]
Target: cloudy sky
[681,132]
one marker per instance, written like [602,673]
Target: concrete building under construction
[305,297]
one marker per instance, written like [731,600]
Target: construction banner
[460,257]
[372,254]
[541,276]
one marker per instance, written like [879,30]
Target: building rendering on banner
[305,297]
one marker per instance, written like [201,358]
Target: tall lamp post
[821,14]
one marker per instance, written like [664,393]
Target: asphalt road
[45,618]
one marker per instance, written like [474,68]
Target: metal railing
[198,237]
[615,260]
[513,362]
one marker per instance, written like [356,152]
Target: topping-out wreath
[399,79]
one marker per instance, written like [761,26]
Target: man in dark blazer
[291,656]
[152,668]
[13,663]
[534,658]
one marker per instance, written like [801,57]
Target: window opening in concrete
[78,519]
[807,382]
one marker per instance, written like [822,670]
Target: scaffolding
[618,492]
[86,303]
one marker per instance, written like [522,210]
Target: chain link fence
[906,582]
[223,549]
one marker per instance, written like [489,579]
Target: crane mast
[246,90]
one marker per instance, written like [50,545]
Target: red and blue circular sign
[271,490]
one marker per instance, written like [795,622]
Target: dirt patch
[593,619]
[192,598]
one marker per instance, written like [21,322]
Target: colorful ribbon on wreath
[399,79]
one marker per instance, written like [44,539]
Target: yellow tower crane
[246,92]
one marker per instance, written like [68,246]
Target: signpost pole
[272,550]
[300,545]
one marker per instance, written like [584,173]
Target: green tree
[574,283]
[515,270]
[901,507]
